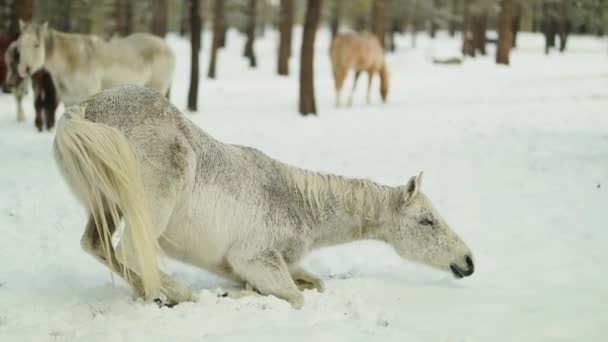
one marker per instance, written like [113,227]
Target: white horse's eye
[426,222]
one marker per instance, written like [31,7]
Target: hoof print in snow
[162,304]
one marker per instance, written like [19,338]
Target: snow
[515,158]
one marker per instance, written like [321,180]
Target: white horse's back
[82,65]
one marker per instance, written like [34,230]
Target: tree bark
[377,26]
[468,46]
[504,32]
[307,90]
[248,51]
[480,24]
[453,23]
[516,22]
[564,26]
[159,17]
[218,32]
[285,27]
[124,17]
[336,15]
[195,37]
[22,9]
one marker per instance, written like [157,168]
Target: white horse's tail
[102,170]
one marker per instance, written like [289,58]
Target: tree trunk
[336,15]
[468,46]
[218,31]
[22,9]
[516,22]
[433,21]
[196,27]
[307,90]
[124,17]
[223,34]
[377,21]
[453,23]
[159,17]
[564,26]
[504,32]
[480,23]
[185,21]
[248,51]
[285,27]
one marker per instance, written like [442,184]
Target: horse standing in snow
[360,52]
[45,96]
[128,153]
[82,65]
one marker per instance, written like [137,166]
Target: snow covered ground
[516,159]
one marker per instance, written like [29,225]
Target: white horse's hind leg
[306,280]
[91,243]
[174,291]
[267,273]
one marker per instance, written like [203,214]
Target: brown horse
[45,96]
[361,52]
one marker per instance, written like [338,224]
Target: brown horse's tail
[384,81]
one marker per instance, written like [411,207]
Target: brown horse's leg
[50,107]
[339,77]
[370,75]
[350,99]
[38,104]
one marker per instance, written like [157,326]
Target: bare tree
[453,14]
[336,14]
[159,17]
[218,32]
[285,27]
[248,51]
[196,27]
[307,90]
[22,9]
[377,26]
[124,16]
[468,47]
[564,25]
[504,32]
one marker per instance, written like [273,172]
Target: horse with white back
[128,154]
[82,65]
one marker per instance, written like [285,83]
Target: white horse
[14,83]
[82,65]
[229,209]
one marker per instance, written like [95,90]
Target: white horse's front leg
[267,273]
[306,280]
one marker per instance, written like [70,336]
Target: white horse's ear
[411,188]
[21,25]
[419,179]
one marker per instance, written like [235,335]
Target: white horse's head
[420,234]
[31,47]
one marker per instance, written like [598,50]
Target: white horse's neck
[346,209]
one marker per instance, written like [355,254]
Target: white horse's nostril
[469,262]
